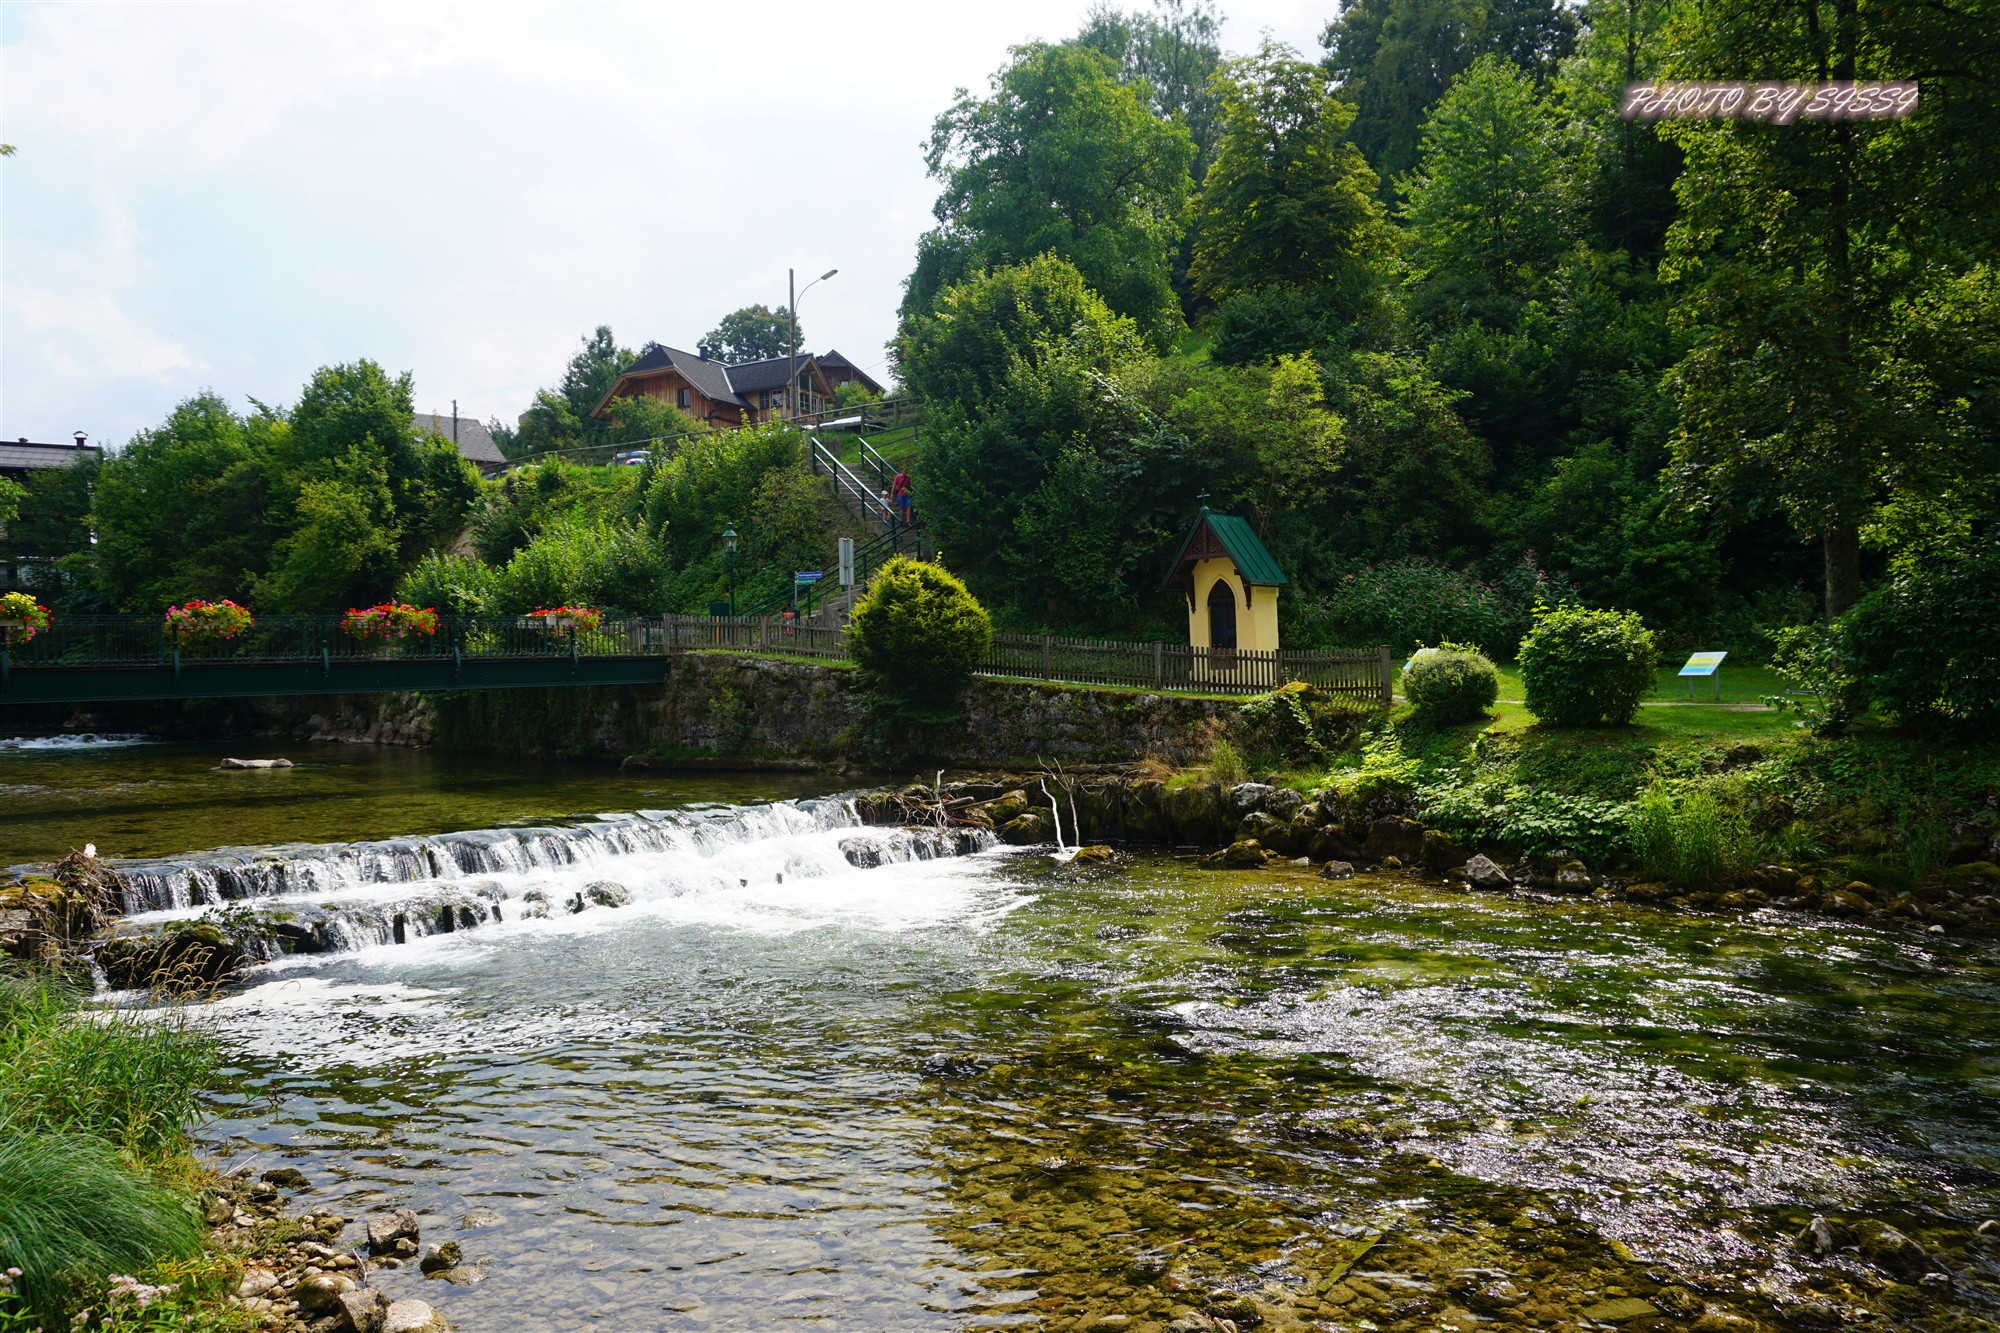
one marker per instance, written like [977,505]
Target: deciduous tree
[1062,159]
[1810,251]
[1290,202]
[754,333]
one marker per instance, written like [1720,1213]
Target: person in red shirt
[903,498]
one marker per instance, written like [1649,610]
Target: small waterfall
[340,897]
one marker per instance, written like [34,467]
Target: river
[997,1090]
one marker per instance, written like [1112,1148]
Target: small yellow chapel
[1231,584]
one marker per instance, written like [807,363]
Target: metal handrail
[895,410]
[873,508]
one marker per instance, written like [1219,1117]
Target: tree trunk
[1843,567]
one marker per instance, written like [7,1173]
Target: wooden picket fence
[1364,674]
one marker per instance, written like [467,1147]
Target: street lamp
[729,550]
[792,361]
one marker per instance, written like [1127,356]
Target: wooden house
[724,395]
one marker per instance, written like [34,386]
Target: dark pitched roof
[835,361]
[710,378]
[27,454]
[475,442]
[770,373]
[1238,541]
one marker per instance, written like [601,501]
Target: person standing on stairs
[901,496]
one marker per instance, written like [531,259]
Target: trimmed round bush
[1581,667]
[1450,684]
[918,630]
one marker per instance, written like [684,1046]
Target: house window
[681,400]
[764,398]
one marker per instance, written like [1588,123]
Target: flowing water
[938,1091]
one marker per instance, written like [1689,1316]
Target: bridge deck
[87,659]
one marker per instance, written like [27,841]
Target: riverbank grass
[97,1180]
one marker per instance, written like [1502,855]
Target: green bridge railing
[109,641]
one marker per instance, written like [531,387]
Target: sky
[227,196]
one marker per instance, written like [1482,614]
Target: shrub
[1451,683]
[1418,600]
[1276,726]
[1226,766]
[457,585]
[918,631]
[1920,647]
[1580,667]
[608,565]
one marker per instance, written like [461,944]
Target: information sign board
[847,562]
[807,576]
[1704,664]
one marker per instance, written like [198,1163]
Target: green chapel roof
[1236,538]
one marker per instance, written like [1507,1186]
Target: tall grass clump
[1689,838]
[132,1080]
[94,1112]
[72,1210]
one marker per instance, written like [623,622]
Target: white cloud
[86,336]
[228,195]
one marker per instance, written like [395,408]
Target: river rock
[1246,798]
[1025,830]
[437,1258]
[1890,1250]
[479,1221]
[318,1293]
[1145,812]
[1008,808]
[1397,837]
[287,1177]
[1337,870]
[365,1308]
[1095,855]
[1264,828]
[1843,903]
[607,894]
[257,1282]
[1484,873]
[1198,813]
[413,1317]
[1245,854]
[864,853]
[187,955]
[384,1230]
[1330,843]
[256,763]
[1441,851]
[1619,1310]
[534,903]
[1574,878]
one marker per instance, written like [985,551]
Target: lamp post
[792,309]
[729,551]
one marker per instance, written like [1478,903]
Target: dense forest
[1454,335]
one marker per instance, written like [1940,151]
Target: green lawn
[1667,713]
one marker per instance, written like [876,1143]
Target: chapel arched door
[1222,624]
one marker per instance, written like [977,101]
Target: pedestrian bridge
[93,659]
